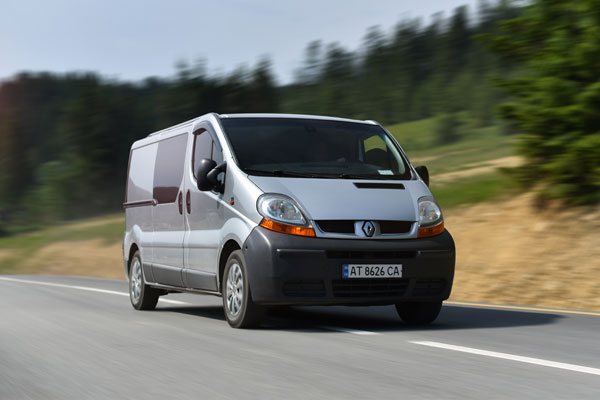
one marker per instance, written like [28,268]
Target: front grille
[347,226]
[369,287]
[371,255]
[429,287]
[312,288]
[336,225]
[395,227]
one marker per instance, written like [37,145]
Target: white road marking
[86,288]
[348,330]
[512,357]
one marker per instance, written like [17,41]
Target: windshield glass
[314,148]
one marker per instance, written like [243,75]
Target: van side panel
[168,215]
[138,218]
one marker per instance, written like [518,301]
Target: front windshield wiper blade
[252,171]
[283,173]
[295,174]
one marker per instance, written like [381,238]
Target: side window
[168,170]
[204,147]
[217,155]
[139,182]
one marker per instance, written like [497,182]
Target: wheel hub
[235,289]
[136,280]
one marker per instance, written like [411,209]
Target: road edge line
[511,357]
[85,288]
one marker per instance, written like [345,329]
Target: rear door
[139,202]
[204,213]
[169,221]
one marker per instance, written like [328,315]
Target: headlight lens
[280,208]
[429,212]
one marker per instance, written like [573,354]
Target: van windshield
[311,148]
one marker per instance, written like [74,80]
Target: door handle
[180,202]
[188,202]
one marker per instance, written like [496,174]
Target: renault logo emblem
[368,228]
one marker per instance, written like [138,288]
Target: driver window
[204,147]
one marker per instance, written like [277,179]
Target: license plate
[371,271]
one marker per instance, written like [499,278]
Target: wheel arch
[229,247]
[132,249]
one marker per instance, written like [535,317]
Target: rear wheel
[419,312]
[240,310]
[142,296]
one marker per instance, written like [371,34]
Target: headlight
[429,212]
[280,208]
[431,222]
[282,214]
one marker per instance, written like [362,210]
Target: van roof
[258,115]
[301,116]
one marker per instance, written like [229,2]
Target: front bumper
[295,270]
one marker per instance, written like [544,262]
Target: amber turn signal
[431,231]
[285,228]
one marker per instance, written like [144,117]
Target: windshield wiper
[282,173]
[295,174]
[252,171]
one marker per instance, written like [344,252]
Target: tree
[337,87]
[447,128]
[263,90]
[556,105]
[13,166]
[310,72]
[457,40]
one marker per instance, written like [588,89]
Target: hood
[342,199]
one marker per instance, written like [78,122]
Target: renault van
[274,209]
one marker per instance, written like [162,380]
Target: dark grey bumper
[286,269]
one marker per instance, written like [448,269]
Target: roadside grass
[108,229]
[476,146]
[477,189]
[414,135]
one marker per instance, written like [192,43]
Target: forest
[65,138]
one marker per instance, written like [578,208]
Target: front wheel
[240,310]
[419,312]
[142,296]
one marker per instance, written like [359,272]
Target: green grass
[476,147]
[109,229]
[474,190]
[414,135]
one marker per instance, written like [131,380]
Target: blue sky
[134,39]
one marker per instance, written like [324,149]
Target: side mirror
[207,174]
[206,165]
[423,173]
[213,177]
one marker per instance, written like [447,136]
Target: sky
[135,39]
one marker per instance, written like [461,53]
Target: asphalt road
[78,338]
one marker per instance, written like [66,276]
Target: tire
[240,310]
[142,296]
[419,313]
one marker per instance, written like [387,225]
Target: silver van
[274,209]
